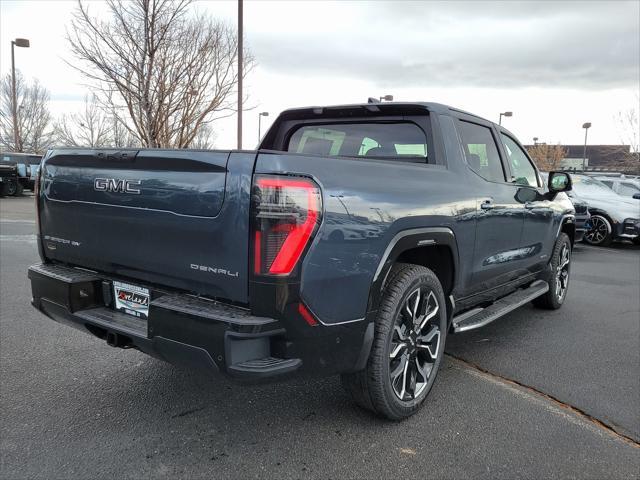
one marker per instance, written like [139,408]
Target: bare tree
[89,128]
[34,133]
[204,139]
[121,136]
[163,70]
[547,157]
[630,128]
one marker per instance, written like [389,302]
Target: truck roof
[375,108]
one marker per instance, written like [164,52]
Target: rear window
[404,141]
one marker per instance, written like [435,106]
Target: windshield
[13,158]
[590,187]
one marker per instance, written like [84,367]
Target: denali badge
[219,271]
[116,185]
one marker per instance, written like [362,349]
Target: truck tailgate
[175,218]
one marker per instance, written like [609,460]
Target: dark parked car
[353,242]
[613,217]
[24,168]
[8,179]
[583,216]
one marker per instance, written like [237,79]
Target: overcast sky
[556,65]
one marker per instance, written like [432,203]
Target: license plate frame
[131,299]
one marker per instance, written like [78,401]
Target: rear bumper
[197,333]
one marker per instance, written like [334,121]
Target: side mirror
[559,182]
[636,196]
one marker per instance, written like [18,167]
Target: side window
[628,189]
[608,183]
[523,171]
[481,151]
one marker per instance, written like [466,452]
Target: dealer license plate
[131,299]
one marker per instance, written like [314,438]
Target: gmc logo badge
[116,185]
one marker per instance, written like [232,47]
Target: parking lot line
[12,220]
[549,402]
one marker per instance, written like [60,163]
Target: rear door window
[481,151]
[396,141]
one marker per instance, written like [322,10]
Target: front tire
[600,231]
[557,276]
[408,345]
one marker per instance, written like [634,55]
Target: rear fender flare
[407,240]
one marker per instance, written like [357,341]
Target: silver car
[625,186]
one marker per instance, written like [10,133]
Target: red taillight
[287,211]
[306,314]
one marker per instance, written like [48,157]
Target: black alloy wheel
[599,232]
[408,345]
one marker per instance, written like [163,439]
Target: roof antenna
[372,100]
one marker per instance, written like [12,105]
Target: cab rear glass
[403,141]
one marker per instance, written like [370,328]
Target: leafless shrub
[204,139]
[89,128]
[34,119]
[628,122]
[547,157]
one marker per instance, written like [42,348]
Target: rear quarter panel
[366,203]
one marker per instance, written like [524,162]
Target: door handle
[529,205]
[486,205]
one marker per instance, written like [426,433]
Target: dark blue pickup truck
[352,242]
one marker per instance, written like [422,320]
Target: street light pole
[18,42]
[240,59]
[584,152]
[260,115]
[504,114]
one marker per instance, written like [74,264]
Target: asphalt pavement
[534,395]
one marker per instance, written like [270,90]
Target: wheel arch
[602,213]
[432,247]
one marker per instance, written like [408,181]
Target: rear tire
[557,275]
[408,345]
[10,188]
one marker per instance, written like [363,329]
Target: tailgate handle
[121,156]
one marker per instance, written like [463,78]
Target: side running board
[479,317]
